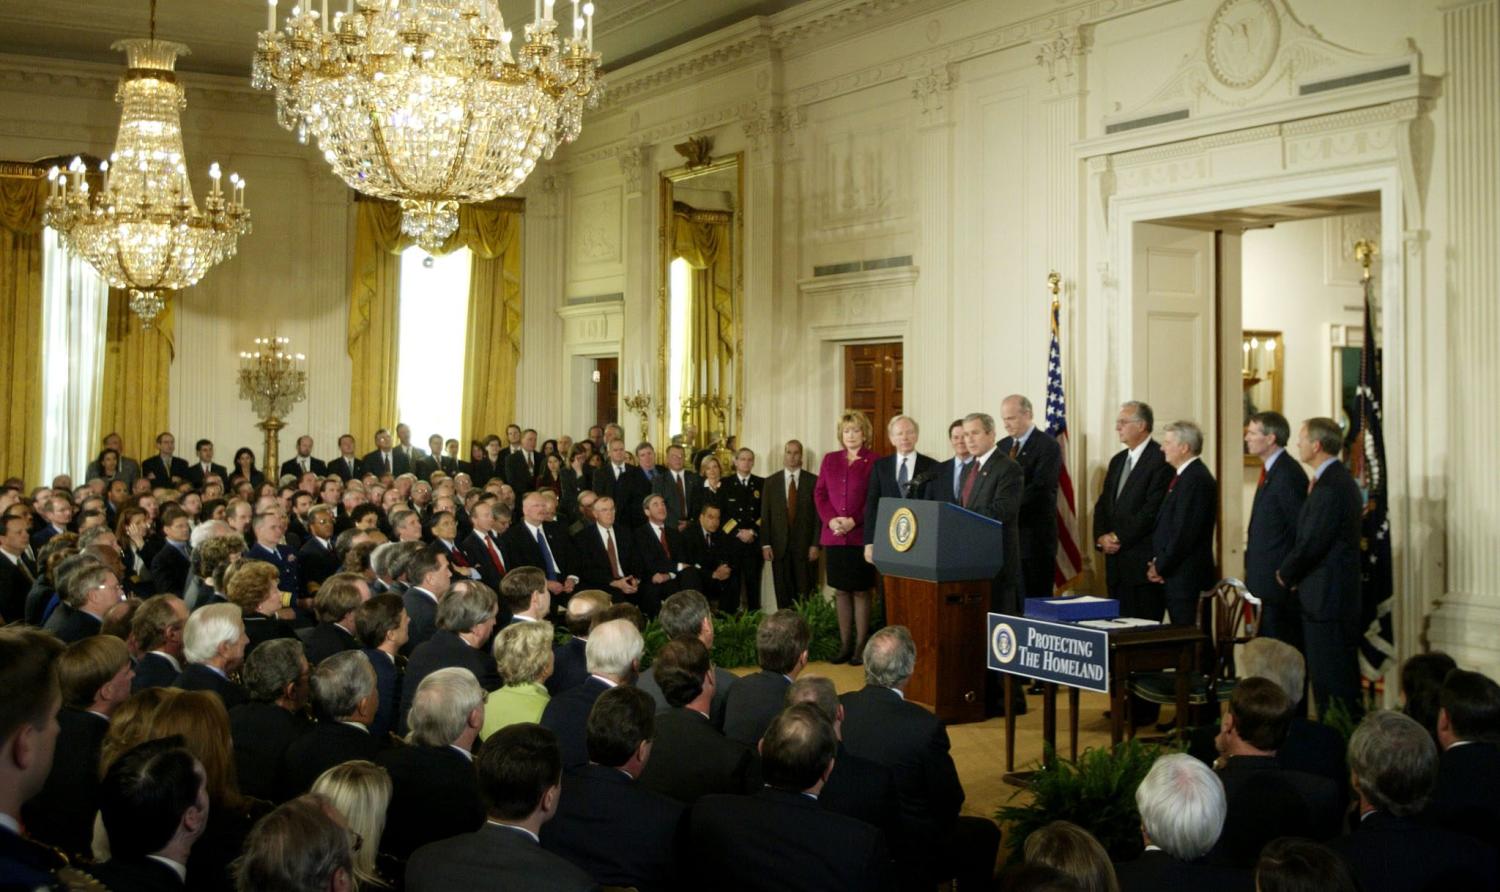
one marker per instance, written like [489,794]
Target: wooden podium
[938,560]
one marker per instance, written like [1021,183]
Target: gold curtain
[704,240]
[23,194]
[492,233]
[137,363]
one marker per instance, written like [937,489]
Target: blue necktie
[541,542]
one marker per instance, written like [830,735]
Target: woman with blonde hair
[843,481]
[361,791]
[1074,851]
[523,654]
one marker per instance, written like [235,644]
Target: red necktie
[791,502]
[456,557]
[494,554]
[969,482]
[1173,485]
[614,556]
[681,497]
[1262,481]
[662,535]
[1014,448]
[1310,484]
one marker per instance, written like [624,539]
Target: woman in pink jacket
[843,480]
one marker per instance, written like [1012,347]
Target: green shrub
[1097,793]
[823,622]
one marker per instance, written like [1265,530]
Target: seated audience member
[524,595]
[613,654]
[687,615]
[28,675]
[1263,799]
[1289,864]
[524,657]
[172,562]
[781,650]
[303,846]
[880,725]
[1392,766]
[857,787]
[382,626]
[1075,852]
[520,780]
[276,680]
[45,591]
[318,556]
[345,699]
[692,758]
[1182,808]
[1468,778]
[1421,682]
[360,792]
[94,676]
[570,666]
[215,558]
[87,594]
[158,629]
[334,606]
[465,620]
[254,587]
[153,803]
[779,838]
[435,791]
[482,546]
[606,823]
[710,555]
[428,573]
[213,643]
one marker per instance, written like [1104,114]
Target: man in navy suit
[383,625]
[1125,514]
[158,628]
[538,542]
[164,467]
[1040,459]
[347,466]
[614,654]
[1182,546]
[606,553]
[303,462]
[384,460]
[898,476]
[1323,567]
[676,484]
[1273,524]
[268,528]
[522,466]
[205,467]
[625,483]
[948,479]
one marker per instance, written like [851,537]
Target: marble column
[643,284]
[539,394]
[927,355]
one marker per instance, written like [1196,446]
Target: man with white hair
[434,789]
[1182,808]
[345,699]
[213,643]
[1182,556]
[613,655]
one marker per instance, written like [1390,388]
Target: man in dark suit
[200,470]
[90,592]
[430,581]
[690,757]
[153,803]
[214,643]
[570,659]
[95,677]
[1040,459]
[334,607]
[383,460]
[1182,546]
[1125,514]
[712,557]
[276,678]
[413,455]
[382,625]
[789,527]
[660,556]
[522,466]
[1182,809]
[465,621]
[882,726]
[538,542]
[318,558]
[163,468]
[28,675]
[620,832]
[781,650]
[946,480]
[687,615]
[1265,800]
[1279,495]
[623,482]
[856,787]
[1393,762]
[172,563]
[434,790]
[345,699]
[16,578]
[613,652]
[58,517]
[901,475]
[780,838]
[739,502]
[158,629]
[483,545]
[347,466]
[303,462]
[1468,729]
[676,484]
[606,554]
[1323,568]
[520,780]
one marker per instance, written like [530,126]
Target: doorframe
[832,339]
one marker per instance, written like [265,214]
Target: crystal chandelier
[142,230]
[273,380]
[422,101]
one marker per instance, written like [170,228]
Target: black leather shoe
[845,653]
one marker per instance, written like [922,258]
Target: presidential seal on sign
[903,529]
[1003,642]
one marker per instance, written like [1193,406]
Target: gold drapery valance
[23,195]
[492,233]
[705,240]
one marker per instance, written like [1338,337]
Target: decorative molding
[211,91]
[1339,235]
[1061,57]
[745,43]
[931,89]
[594,225]
[763,125]
[633,163]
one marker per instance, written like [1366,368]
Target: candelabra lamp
[640,403]
[273,380]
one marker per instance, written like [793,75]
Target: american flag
[1366,456]
[1069,564]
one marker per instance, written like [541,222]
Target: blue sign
[1061,652]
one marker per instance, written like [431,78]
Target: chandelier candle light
[273,380]
[423,102]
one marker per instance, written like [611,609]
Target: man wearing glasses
[1125,514]
[90,593]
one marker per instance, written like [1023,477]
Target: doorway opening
[873,385]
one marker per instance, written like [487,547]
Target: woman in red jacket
[843,480]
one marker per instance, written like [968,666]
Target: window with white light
[679,366]
[74,305]
[434,322]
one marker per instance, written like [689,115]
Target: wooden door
[872,384]
[607,390]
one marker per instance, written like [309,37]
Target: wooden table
[1130,650]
